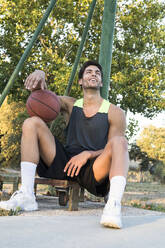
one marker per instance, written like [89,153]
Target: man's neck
[91,97]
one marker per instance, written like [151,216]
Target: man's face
[91,78]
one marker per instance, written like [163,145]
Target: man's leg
[36,141]
[113,162]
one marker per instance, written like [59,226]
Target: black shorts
[85,177]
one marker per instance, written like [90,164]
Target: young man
[95,154]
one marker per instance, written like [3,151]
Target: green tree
[11,119]
[159,171]
[145,162]
[137,77]
[137,71]
[132,129]
[152,141]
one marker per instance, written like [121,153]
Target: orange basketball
[44,104]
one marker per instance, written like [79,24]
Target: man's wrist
[91,153]
[94,154]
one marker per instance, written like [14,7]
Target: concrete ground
[54,226]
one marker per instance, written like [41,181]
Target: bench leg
[15,184]
[82,194]
[1,186]
[74,197]
[35,189]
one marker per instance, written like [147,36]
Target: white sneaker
[111,216]
[20,200]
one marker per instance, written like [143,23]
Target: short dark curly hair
[88,63]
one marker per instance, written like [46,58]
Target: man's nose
[94,73]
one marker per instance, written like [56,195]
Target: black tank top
[87,133]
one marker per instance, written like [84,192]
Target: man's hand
[36,80]
[75,163]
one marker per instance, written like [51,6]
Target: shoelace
[16,193]
[111,205]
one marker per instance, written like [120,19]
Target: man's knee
[118,141]
[32,122]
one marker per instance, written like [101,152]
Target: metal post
[80,49]
[105,57]
[27,51]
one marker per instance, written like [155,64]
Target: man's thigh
[47,146]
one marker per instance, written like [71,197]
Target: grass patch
[10,212]
[153,207]
[145,187]
[145,195]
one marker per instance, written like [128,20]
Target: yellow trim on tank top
[103,108]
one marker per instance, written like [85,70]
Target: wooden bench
[9,179]
[66,190]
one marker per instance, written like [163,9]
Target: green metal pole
[105,57]
[80,49]
[27,51]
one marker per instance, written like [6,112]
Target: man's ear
[80,82]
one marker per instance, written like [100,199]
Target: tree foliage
[152,144]
[132,129]
[159,171]
[137,76]
[145,161]
[11,119]
[152,141]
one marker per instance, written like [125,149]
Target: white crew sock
[117,186]
[28,171]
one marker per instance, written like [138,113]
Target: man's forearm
[94,154]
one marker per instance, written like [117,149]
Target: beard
[89,87]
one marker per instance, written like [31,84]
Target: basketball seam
[44,104]
[46,119]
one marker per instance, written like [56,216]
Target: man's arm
[36,80]
[117,122]
[66,103]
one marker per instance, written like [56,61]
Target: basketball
[44,104]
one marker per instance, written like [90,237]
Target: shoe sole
[111,225]
[21,209]
[31,208]
[111,222]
